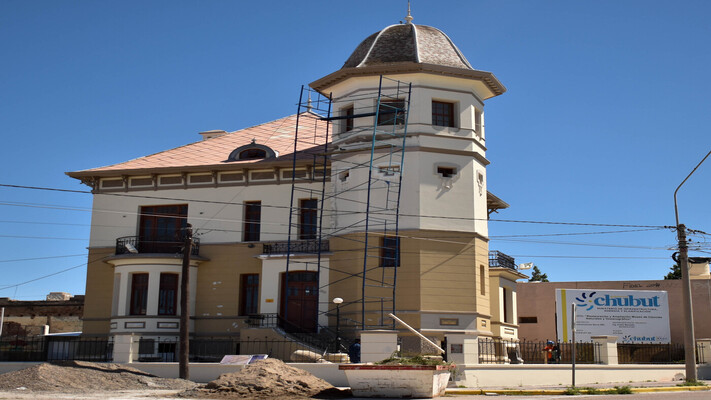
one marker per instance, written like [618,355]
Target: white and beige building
[234,189]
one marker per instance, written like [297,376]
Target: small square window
[442,113]
[447,172]
[391,112]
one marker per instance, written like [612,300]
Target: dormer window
[252,154]
[252,151]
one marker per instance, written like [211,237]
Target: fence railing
[212,350]
[53,348]
[500,351]
[655,353]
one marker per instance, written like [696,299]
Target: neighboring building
[536,302]
[235,189]
[60,313]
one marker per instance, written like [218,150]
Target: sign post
[572,328]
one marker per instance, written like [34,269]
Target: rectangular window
[252,220]
[168,294]
[348,122]
[391,112]
[308,220]
[527,320]
[249,294]
[390,251]
[482,280]
[139,294]
[162,228]
[442,113]
[477,122]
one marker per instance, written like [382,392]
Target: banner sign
[634,316]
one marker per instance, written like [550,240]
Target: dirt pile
[268,378]
[79,376]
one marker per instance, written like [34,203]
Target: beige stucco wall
[538,300]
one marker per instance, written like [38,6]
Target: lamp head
[337,300]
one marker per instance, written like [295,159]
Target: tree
[537,276]
[675,272]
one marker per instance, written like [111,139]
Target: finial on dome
[409,18]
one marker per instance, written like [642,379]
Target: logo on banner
[585,300]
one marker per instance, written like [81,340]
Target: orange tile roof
[277,135]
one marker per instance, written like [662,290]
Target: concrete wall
[537,299]
[479,376]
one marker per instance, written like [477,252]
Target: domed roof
[408,43]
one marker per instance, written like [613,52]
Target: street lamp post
[337,301]
[689,340]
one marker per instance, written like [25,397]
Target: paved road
[636,396]
[170,395]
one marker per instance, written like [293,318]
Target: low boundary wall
[473,376]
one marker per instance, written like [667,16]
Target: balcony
[498,259]
[297,246]
[134,245]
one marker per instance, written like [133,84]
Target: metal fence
[53,348]
[655,353]
[499,351]
[212,350]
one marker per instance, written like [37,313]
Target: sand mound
[79,376]
[268,378]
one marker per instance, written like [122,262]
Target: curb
[543,392]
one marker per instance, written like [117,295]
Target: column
[123,349]
[605,349]
[462,349]
[377,345]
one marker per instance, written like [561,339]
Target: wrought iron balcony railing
[501,260]
[297,246]
[134,244]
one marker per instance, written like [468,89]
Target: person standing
[354,351]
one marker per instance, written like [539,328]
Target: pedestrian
[549,351]
[354,351]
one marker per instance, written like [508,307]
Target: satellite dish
[131,249]
[525,266]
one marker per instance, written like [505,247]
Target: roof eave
[488,78]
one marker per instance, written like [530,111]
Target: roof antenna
[308,104]
[408,19]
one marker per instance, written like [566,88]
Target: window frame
[348,121]
[139,294]
[308,230]
[444,117]
[164,290]
[248,294]
[251,231]
[389,104]
[390,251]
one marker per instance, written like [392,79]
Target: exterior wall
[503,284]
[99,292]
[537,299]
[215,213]
[427,146]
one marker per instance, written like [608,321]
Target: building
[536,302]
[292,213]
[60,313]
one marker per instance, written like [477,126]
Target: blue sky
[606,112]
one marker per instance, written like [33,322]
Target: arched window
[252,151]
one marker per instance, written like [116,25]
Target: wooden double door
[299,301]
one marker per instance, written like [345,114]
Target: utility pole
[184,369]
[689,339]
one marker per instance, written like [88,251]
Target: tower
[442,244]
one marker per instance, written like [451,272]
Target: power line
[273,206]
[42,258]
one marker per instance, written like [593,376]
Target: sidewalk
[636,387]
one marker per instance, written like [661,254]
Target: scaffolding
[363,198]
